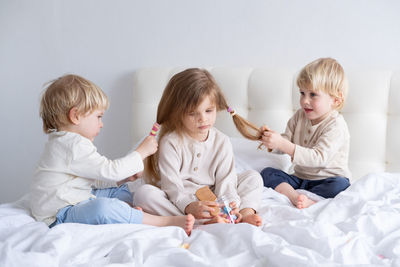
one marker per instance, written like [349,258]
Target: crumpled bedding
[359,227]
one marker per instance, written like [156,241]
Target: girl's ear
[74,116]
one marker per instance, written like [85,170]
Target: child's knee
[251,177]
[334,187]
[342,184]
[267,172]
[145,192]
[267,175]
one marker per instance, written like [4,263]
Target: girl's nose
[202,117]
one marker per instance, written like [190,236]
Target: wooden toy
[205,194]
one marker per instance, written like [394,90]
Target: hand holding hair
[243,125]
[264,129]
[148,147]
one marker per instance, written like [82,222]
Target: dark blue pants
[327,188]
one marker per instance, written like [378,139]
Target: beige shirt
[322,150]
[187,165]
[69,168]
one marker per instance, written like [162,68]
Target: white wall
[106,41]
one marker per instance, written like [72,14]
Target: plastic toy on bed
[225,209]
[205,194]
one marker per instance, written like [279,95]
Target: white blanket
[360,227]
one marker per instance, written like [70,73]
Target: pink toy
[155,128]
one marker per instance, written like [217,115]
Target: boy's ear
[338,99]
[73,115]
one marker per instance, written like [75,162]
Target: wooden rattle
[205,194]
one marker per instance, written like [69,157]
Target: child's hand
[235,211]
[264,128]
[271,139]
[148,147]
[223,218]
[202,209]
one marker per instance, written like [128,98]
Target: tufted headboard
[270,96]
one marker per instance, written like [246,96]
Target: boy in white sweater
[73,182]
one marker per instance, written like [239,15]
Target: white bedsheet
[360,227]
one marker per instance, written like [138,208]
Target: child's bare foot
[253,219]
[186,222]
[304,202]
[249,215]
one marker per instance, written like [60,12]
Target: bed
[359,227]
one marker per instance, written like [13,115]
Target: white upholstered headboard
[270,96]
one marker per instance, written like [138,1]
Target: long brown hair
[184,92]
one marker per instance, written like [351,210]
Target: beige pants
[154,201]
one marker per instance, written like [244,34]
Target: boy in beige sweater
[316,137]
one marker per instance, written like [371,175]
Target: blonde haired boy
[73,182]
[316,137]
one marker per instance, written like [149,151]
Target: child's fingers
[138,175]
[212,211]
[267,135]
[264,128]
[211,207]
[239,217]
[206,215]
[209,203]
[205,212]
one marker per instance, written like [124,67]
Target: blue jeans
[327,188]
[110,206]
